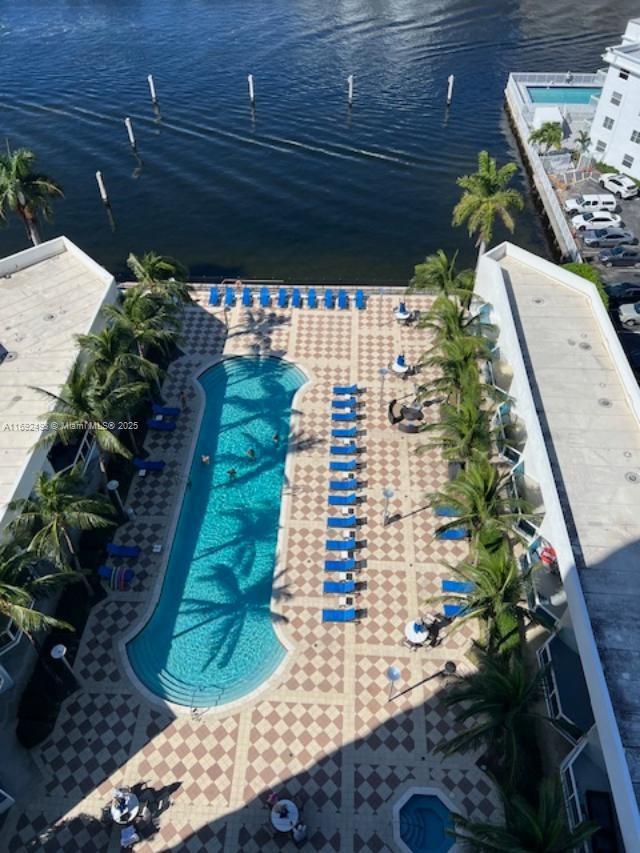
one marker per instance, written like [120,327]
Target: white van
[588,203]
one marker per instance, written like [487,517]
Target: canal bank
[570,99]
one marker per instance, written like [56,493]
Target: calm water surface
[301,188]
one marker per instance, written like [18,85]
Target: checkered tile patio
[324,732]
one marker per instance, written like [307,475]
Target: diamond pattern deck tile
[292,737]
[91,741]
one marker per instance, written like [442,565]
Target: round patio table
[287,822]
[130,813]
[416,632]
[411,413]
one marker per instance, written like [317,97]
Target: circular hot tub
[422,818]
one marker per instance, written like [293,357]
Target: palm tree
[24,191]
[456,361]
[112,356]
[499,587]
[161,275]
[438,272]
[147,319]
[448,319]
[55,509]
[527,828]
[81,407]
[480,499]
[583,141]
[18,588]
[487,196]
[497,706]
[548,135]
[463,430]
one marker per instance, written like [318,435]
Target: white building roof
[584,416]
[48,294]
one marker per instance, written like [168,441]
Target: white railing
[540,178]
[558,79]
[84,455]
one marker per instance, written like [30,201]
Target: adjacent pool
[424,821]
[562,94]
[211,637]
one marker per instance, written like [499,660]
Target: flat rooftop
[593,437]
[48,294]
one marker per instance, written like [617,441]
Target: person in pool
[251,453]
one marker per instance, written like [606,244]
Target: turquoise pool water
[211,637]
[424,820]
[562,94]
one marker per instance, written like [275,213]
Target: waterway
[301,188]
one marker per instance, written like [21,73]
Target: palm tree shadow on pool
[224,621]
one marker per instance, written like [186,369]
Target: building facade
[49,294]
[568,421]
[615,131]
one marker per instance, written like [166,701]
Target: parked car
[620,185]
[597,219]
[623,291]
[606,237]
[630,314]
[589,203]
[620,256]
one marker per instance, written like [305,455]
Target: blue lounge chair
[131,551]
[345,389]
[341,485]
[247,297]
[340,544]
[167,411]
[229,297]
[265,298]
[360,300]
[344,416]
[347,403]
[452,610]
[328,298]
[148,464]
[296,299]
[339,587]
[339,465]
[214,295]
[349,432]
[342,522]
[312,298]
[347,615]
[343,449]
[118,578]
[282,297]
[343,299]
[446,512]
[452,534]
[340,565]
[458,586]
[342,500]
[161,426]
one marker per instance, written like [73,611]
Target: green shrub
[592,275]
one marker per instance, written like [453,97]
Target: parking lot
[629,210]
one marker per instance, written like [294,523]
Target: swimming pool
[423,823]
[562,94]
[211,638]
